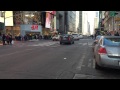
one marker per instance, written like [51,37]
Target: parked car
[95,42]
[80,36]
[56,38]
[107,52]
[66,38]
[76,36]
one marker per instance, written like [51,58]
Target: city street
[47,59]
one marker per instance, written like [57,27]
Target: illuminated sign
[34,27]
[48,20]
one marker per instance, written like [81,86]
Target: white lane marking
[44,44]
[81,61]
[80,43]
[90,44]
[84,44]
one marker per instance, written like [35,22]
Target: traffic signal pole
[113,22]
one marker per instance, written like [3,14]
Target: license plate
[64,38]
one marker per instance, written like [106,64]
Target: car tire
[73,42]
[97,66]
[70,43]
[60,43]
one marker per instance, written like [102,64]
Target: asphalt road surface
[48,59]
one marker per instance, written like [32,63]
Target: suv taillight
[69,38]
[102,50]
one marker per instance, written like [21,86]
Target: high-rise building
[84,23]
[89,28]
[80,21]
[60,23]
[77,22]
[70,21]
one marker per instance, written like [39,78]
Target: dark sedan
[66,38]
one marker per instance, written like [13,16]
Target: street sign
[112,13]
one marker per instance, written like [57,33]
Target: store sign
[34,27]
[31,28]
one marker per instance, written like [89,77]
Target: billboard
[48,20]
[8,18]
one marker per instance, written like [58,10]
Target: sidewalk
[34,40]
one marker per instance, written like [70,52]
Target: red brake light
[102,51]
[69,38]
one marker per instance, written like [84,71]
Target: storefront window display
[27,17]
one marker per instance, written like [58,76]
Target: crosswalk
[49,44]
[45,44]
[55,44]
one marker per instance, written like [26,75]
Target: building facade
[89,28]
[80,21]
[60,23]
[84,23]
[42,22]
[77,28]
[70,21]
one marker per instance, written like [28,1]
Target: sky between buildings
[91,16]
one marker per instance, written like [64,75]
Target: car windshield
[112,41]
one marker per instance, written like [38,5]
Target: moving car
[76,36]
[80,36]
[66,38]
[56,38]
[107,52]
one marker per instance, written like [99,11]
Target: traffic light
[1,26]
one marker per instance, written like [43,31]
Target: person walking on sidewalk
[7,39]
[10,39]
[3,39]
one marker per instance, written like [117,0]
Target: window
[112,41]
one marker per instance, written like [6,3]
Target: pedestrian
[92,36]
[10,39]
[7,39]
[3,39]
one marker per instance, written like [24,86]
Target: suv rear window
[74,34]
[112,41]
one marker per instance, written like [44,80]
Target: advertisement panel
[48,20]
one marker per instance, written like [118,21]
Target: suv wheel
[60,43]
